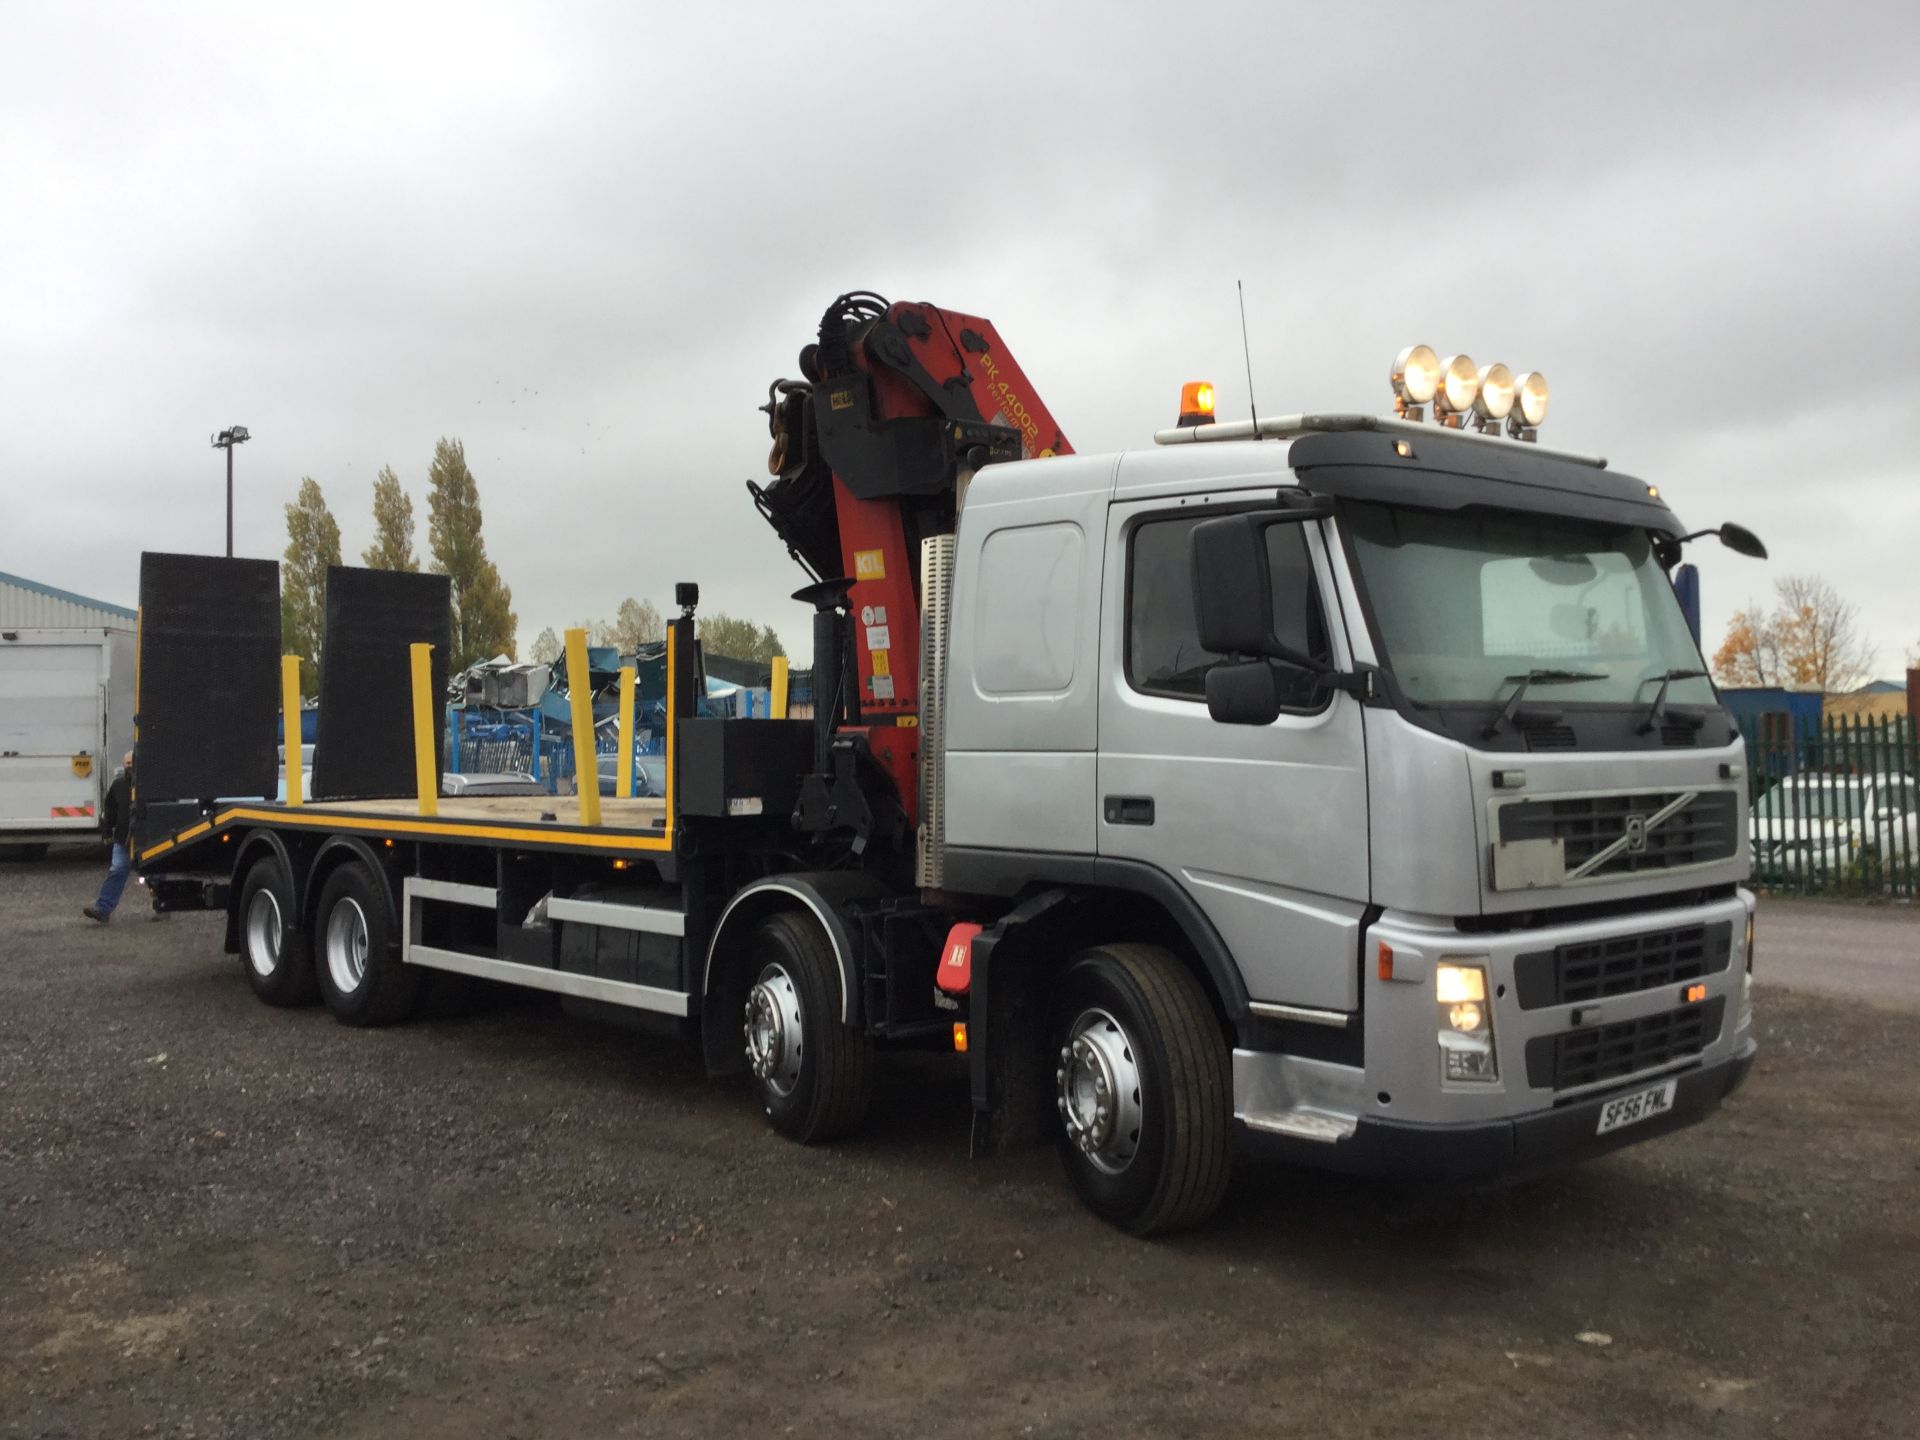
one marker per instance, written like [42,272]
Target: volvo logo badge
[1636,834]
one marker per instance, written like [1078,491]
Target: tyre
[1145,1089]
[277,959]
[359,969]
[813,1076]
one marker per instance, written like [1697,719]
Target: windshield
[1464,603]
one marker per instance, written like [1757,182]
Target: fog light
[1466,1016]
[1467,1057]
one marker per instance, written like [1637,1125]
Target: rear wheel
[1144,1089]
[277,959]
[361,976]
[812,1074]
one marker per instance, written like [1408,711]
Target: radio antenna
[1247,350]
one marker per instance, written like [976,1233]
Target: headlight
[1466,1016]
[1454,983]
[1466,1023]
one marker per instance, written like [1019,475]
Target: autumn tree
[739,639]
[313,543]
[392,547]
[1750,655]
[1820,636]
[484,624]
[546,647]
[636,623]
[1810,641]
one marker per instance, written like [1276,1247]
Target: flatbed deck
[615,814]
[547,821]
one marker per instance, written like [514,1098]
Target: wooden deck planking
[615,813]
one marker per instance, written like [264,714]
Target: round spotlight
[1416,374]
[1530,393]
[1496,392]
[1459,383]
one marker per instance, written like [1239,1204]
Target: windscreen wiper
[1657,715]
[1535,677]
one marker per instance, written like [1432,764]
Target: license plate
[1632,1109]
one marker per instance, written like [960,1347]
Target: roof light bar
[1491,394]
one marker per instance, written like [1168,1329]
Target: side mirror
[1232,586]
[1243,693]
[1742,541]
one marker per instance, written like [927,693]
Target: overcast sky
[583,239]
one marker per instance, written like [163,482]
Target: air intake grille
[1705,828]
[1627,1047]
[1623,965]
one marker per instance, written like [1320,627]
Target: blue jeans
[117,871]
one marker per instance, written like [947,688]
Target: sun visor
[209,678]
[363,746]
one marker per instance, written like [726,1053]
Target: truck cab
[1463,882]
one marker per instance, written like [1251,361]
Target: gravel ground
[222,1220]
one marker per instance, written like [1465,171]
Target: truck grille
[1623,965]
[1707,828]
[1611,1052]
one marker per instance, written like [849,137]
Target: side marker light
[960,1037]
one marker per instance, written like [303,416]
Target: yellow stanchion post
[586,769]
[290,725]
[623,783]
[777,706]
[426,774]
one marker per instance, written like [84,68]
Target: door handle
[1129,809]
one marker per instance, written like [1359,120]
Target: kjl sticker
[869,564]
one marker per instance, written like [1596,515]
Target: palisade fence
[1836,806]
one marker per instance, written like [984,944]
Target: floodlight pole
[233,435]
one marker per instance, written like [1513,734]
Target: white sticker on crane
[879,615]
[866,614]
[878,638]
[883,687]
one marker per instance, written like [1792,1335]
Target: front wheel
[1144,1089]
[812,1074]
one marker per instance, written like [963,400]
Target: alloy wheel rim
[347,946]
[264,933]
[1101,1090]
[773,1030]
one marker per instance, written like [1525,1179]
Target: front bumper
[1522,1145]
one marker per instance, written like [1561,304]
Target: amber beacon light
[1196,402]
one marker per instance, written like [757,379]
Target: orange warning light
[1695,994]
[960,1037]
[1196,402]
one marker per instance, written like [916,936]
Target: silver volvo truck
[1345,786]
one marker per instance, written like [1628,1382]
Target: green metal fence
[1836,806]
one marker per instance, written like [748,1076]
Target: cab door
[1264,826]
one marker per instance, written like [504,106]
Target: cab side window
[1164,654]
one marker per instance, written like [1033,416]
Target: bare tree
[1819,636]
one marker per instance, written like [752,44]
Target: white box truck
[66,718]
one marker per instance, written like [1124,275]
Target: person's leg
[116,881]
